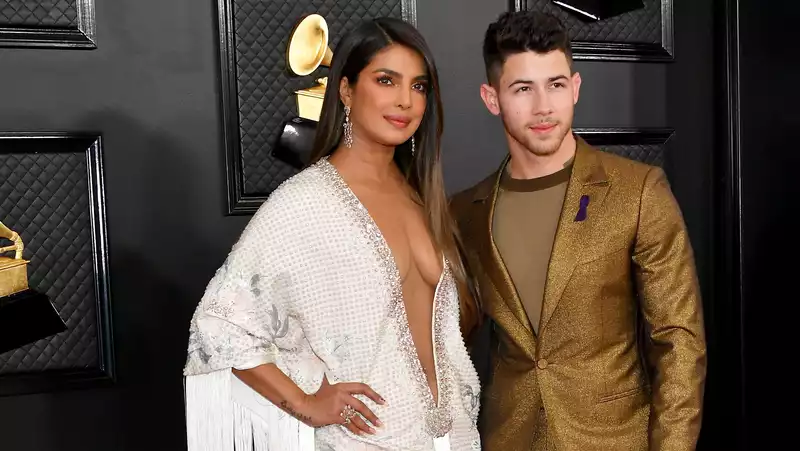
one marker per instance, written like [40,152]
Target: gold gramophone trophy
[25,314]
[307,50]
[13,271]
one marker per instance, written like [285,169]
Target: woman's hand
[329,405]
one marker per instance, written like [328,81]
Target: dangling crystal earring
[348,128]
[413,146]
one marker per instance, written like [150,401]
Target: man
[584,270]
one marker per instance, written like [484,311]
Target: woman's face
[389,99]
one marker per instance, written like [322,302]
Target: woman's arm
[327,406]
[244,322]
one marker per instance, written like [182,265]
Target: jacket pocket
[620,395]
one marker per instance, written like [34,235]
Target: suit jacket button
[542,364]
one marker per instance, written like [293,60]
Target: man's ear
[489,96]
[576,87]
[345,92]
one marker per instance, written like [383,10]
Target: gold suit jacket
[619,362]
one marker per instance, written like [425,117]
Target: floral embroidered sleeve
[245,318]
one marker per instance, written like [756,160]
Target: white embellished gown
[311,286]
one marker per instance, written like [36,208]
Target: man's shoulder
[623,170]
[462,201]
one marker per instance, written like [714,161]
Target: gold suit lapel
[495,268]
[588,181]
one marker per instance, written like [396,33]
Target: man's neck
[526,165]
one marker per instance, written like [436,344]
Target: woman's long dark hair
[423,169]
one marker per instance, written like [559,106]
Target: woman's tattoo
[304,418]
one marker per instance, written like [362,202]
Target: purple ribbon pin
[584,203]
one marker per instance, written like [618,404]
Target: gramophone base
[26,317]
[296,142]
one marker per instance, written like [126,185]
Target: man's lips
[398,121]
[542,128]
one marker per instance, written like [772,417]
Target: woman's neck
[365,163]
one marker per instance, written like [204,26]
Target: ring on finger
[347,413]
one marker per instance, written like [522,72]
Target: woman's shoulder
[305,182]
[291,213]
[303,191]
[302,205]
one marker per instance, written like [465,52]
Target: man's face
[535,95]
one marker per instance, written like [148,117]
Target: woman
[334,322]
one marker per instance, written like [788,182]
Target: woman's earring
[348,128]
[413,146]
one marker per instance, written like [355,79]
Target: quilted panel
[646,153]
[642,26]
[45,198]
[266,88]
[39,13]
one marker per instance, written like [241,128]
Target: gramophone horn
[308,46]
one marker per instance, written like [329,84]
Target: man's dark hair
[522,31]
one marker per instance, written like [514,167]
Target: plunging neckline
[374,224]
[386,253]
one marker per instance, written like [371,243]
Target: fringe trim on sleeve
[225,414]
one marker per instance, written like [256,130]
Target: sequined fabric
[312,286]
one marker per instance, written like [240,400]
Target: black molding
[620,51]
[611,136]
[728,307]
[105,373]
[238,201]
[81,37]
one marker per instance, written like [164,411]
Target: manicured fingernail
[378,423]
[371,431]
